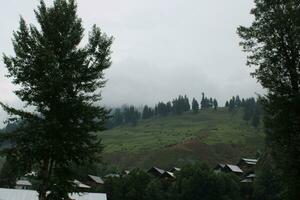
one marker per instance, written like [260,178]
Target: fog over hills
[161,48]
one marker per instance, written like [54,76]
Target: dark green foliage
[131,115]
[252,109]
[9,173]
[147,112]
[249,108]
[162,109]
[194,182]
[232,104]
[215,103]
[257,115]
[267,185]
[195,105]
[169,107]
[118,117]
[272,43]
[61,81]
[238,101]
[205,103]
[199,182]
[181,104]
[176,107]
[128,187]
[227,104]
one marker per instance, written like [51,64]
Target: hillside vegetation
[210,135]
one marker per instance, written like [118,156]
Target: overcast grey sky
[162,48]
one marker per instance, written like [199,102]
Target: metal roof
[97,179]
[168,174]
[80,185]
[175,169]
[234,168]
[251,176]
[246,181]
[112,176]
[161,171]
[15,194]
[23,182]
[249,160]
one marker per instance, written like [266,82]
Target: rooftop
[15,194]
[234,168]
[97,179]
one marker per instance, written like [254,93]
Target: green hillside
[212,136]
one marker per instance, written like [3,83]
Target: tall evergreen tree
[215,103]
[169,107]
[272,42]
[205,102]
[227,104]
[118,117]
[61,80]
[238,101]
[131,115]
[211,102]
[195,105]
[147,112]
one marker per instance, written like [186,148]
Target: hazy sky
[162,48]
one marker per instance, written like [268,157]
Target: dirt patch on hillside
[188,151]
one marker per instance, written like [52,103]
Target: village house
[247,165]
[175,169]
[168,175]
[23,183]
[112,175]
[227,168]
[94,181]
[81,186]
[16,194]
[156,172]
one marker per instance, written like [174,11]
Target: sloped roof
[246,181]
[250,161]
[80,185]
[161,171]
[126,172]
[168,174]
[251,176]
[97,179]
[175,169]
[23,182]
[219,166]
[15,194]
[112,176]
[234,168]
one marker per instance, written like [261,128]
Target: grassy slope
[212,136]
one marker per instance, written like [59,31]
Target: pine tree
[117,117]
[61,80]
[147,112]
[131,115]
[238,101]
[227,104]
[195,105]
[169,107]
[215,103]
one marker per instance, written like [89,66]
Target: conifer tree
[215,102]
[195,105]
[61,80]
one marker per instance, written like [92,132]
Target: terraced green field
[211,136]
